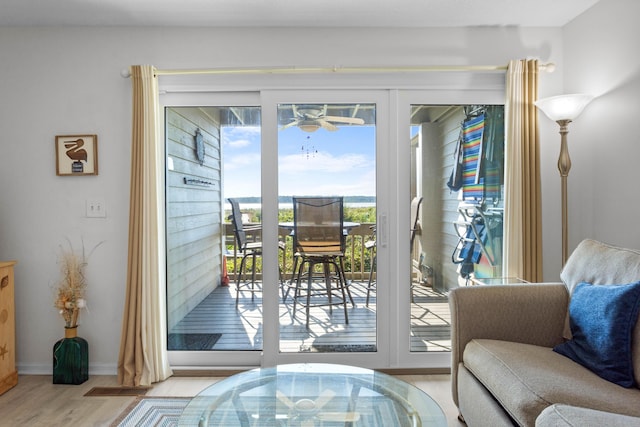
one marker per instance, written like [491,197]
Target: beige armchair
[504,371]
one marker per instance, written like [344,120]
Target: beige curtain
[143,356]
[523,206]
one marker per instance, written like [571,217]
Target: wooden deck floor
[241,327]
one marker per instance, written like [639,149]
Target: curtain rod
[336,69]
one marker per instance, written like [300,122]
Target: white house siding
[194,232]
[439,208]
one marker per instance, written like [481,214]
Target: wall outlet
[96,208]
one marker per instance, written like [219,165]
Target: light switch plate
[96,208]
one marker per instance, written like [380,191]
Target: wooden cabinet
[8,373]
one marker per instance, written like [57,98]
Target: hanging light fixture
[309,125]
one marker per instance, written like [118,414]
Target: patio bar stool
[318,240]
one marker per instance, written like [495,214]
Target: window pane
[457,171]
[328,150]
[213,153]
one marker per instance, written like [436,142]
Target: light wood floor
[36,402]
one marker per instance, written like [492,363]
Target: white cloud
[324,174]
[322,161]
[240,137]
[245,162]
[330,171]
[238,143]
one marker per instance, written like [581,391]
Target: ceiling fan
[307,411]
[312,118]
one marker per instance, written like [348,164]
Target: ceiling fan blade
[324,398]
[326,125]
[351,120]
[339,417]
[284,399]
[311,114]
[288,125]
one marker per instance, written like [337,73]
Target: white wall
[600,58]
[62,81]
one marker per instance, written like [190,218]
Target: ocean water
[290,205]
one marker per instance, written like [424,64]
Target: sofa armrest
[560,415]
[529,313]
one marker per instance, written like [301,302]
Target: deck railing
[357,256]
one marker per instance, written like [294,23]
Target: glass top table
[497,281]
[312,394]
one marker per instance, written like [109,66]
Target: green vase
[71,359]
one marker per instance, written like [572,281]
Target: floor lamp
[563,109]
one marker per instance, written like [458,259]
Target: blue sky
[331,163]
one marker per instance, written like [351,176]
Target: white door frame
[270,101]
[211,359]
[393,200]
[404,99]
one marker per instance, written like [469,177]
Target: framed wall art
[77,155]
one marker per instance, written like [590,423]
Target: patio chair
[247,249]
[318,239]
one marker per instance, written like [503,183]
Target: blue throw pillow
[602,319]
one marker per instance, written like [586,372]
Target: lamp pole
[563,109]
[564,166]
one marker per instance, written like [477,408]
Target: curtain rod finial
[125,73]
[549,67]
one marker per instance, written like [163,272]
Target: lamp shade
[563,107]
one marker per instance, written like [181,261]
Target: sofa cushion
[601,264]
[526,379]
[602,320]
[572,416]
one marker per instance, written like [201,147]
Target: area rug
[117,391]
[192,341]
[370,410]
[166,411]
[152,412]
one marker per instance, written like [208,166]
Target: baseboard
[38,369]
[415,371]
[108,369]
[209,372]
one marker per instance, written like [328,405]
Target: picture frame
[76,155]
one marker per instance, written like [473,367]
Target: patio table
[312,394]
[347,225]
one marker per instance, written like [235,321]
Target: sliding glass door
[456,181]
[214,271]
[328,146]
[327,150]
[453,188]
[237,282]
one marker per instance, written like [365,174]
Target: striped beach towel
[472,179]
